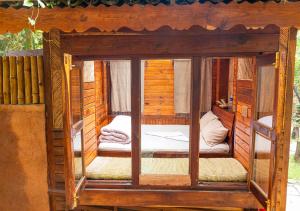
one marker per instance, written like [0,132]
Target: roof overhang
[148,17]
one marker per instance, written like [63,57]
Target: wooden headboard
[227,119]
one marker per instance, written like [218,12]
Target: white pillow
[206,118]
[266,120]
[214,133]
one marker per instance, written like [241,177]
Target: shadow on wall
[23,164]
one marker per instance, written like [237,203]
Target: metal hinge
[277,60]
[75,200]
[268,202]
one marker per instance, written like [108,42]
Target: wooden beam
[135,120]
[170,44]
[123,197]
[195,114]
[207,15]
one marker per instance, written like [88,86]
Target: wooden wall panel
[220,78]
[89,122]
[101,100]
[159,87]
[75,94]
[242,140]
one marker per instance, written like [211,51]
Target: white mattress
[150,143]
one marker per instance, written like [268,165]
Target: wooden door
[263,128]
[75,175]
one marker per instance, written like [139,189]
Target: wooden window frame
[156,50]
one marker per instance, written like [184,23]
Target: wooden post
[20,76]
[6,81]
[1,81]
[195,116]
[34,80]
[41,79]
[136,119]
[13,80]
[27,77]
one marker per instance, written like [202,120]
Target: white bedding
[150,143]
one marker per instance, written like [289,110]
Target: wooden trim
[162,45]
[264,130]
[165,180]
[112,18]
[136,119]
[161,154]
[126,184]
[259,194]
[195,114]
[174,198]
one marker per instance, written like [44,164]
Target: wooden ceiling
[149,17]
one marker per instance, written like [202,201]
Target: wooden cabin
[143,109]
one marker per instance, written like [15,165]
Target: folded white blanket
[119,130]
[178,136]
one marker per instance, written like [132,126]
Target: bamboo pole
[20,76]
[13,80]
[1,81]
[34,80]
[41,78]
[6,81]
[27,77]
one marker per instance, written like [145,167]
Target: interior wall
[23,155]
[244,104]
[220,79]
[159,87]
[101,95]
[89,120]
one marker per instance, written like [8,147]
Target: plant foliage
[24,40]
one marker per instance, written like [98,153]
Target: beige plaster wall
[23,158]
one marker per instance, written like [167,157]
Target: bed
[159,147]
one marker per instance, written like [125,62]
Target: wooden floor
[153,209]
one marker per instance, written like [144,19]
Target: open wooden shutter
[272,193]
[74,168]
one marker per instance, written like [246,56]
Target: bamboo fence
[21,80]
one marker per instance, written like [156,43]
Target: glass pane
[165,108]
[77,146]
[245,68]
[261,165]
[113,122]
[265,92]
[75,95]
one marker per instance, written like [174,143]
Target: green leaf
[31,21]
[28,3]
[41,3]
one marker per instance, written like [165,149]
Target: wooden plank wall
[75,94]
[21,80]
[220,77]
[89,122]
[159,87]
[101,96]
[242,139]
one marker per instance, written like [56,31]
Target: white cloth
[119,130]
[182,85]
[206,85]
[267,120]
[120,74]
[177,135]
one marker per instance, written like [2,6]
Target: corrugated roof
[85,3]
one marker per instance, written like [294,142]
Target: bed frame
[224,115]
